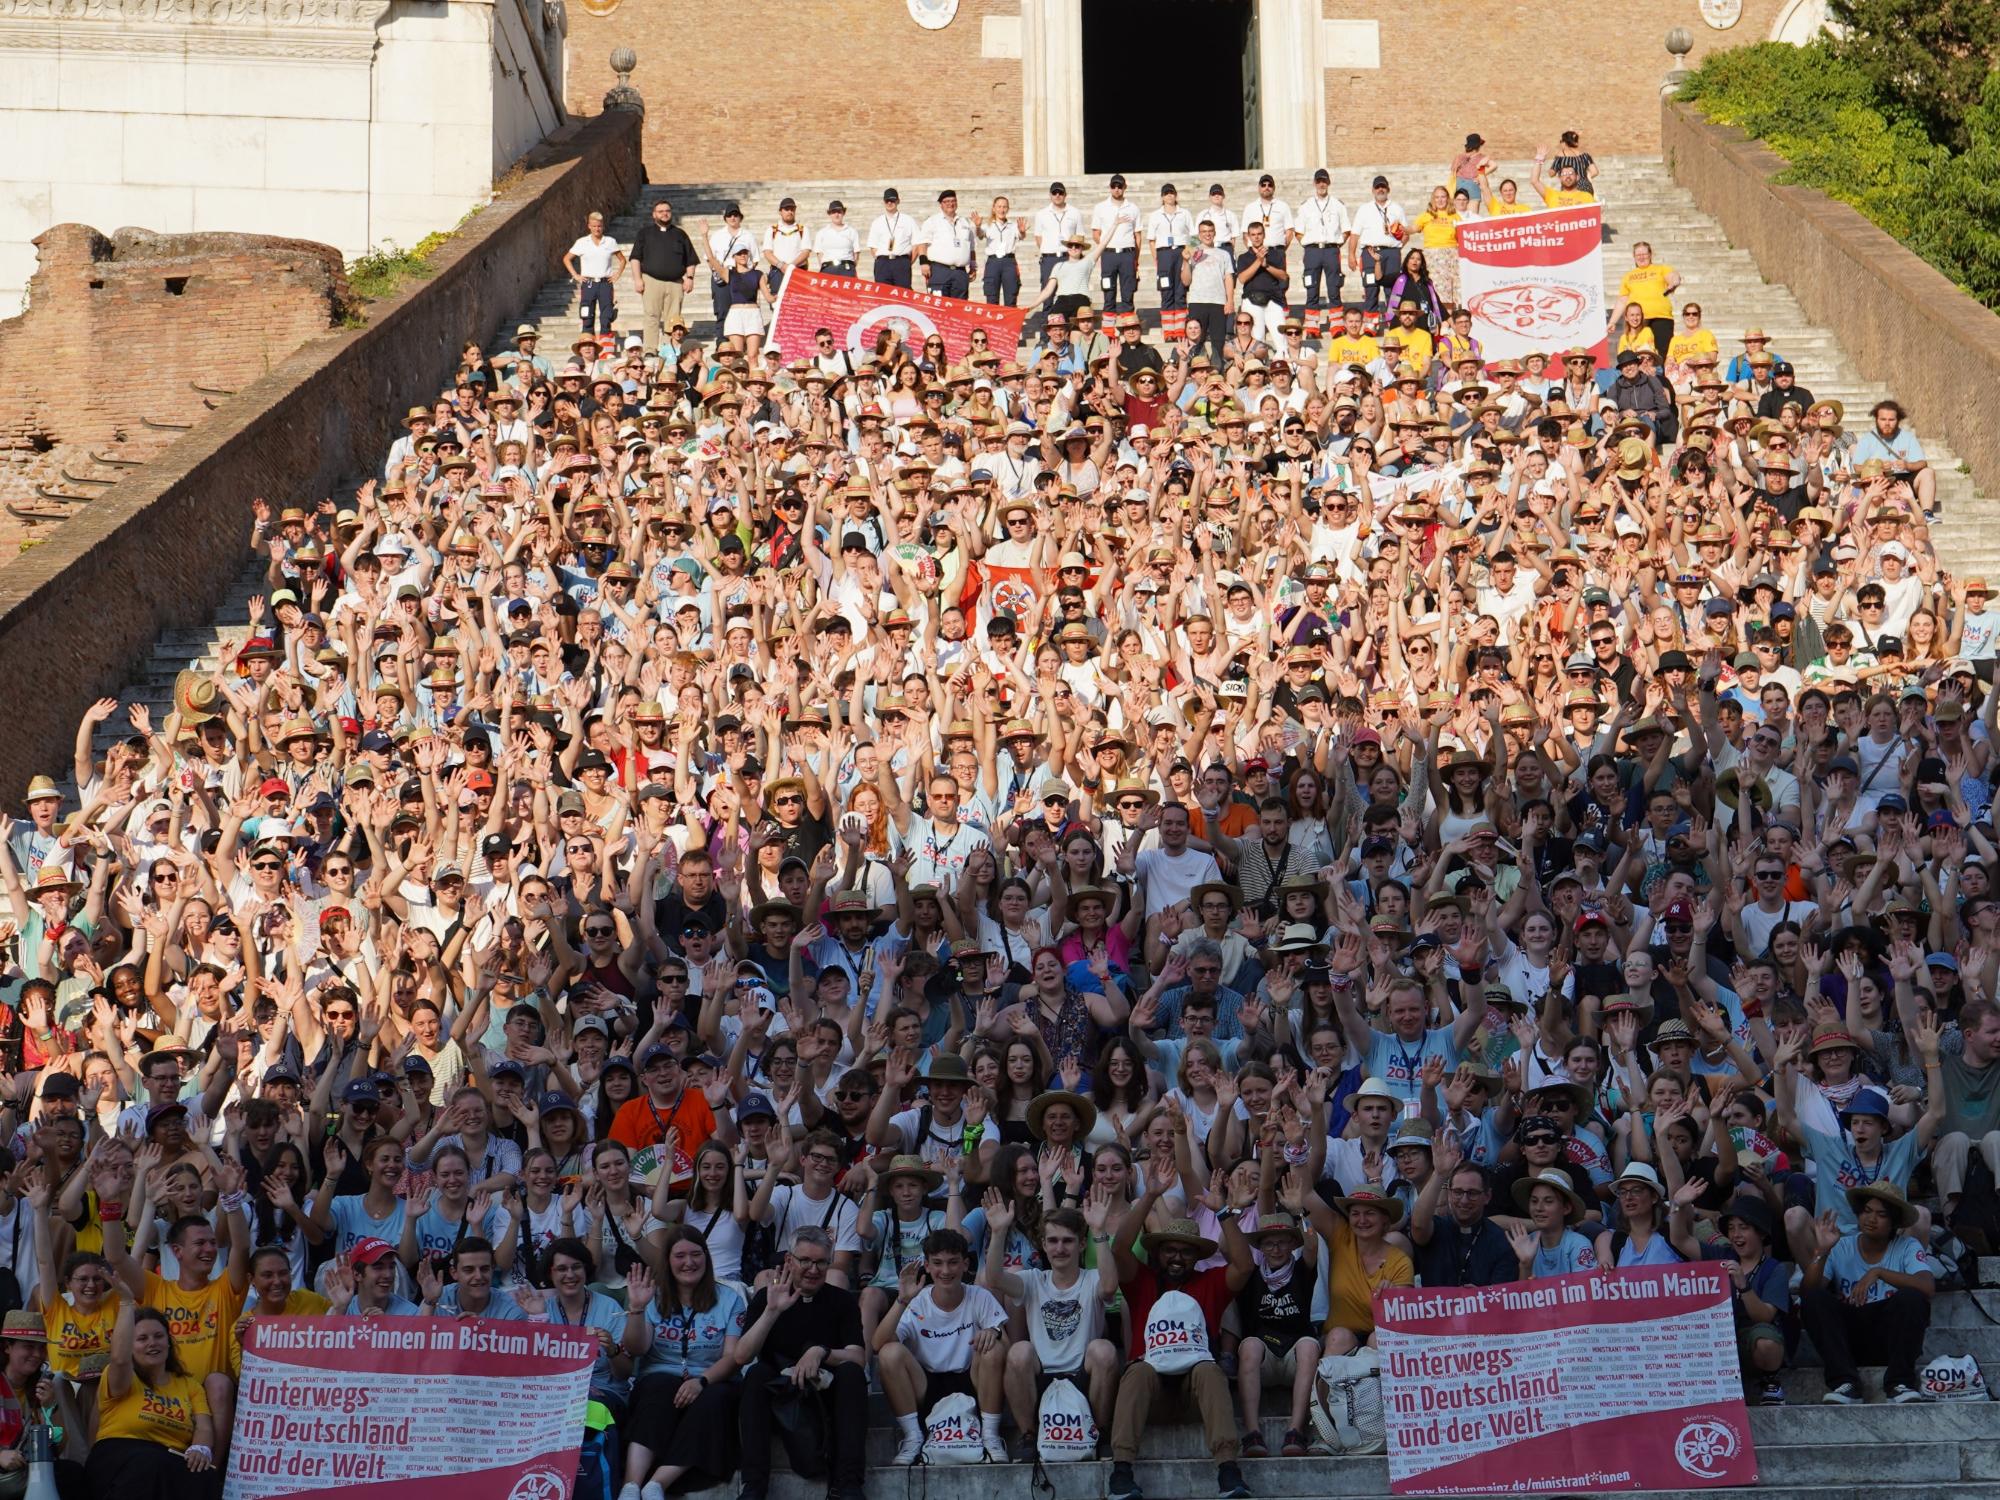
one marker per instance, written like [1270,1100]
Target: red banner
[1604,1380]
[856,311]
[409,1409]
[1535,282]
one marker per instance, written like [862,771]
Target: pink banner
[856,311]
[409,1409]
[1605,1380]
[1535,282]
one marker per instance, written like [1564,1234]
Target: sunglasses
[267,864]
[599,931]
[1542,1140]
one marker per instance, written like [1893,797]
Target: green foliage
[382,272]
[1927,59]
[1843,134]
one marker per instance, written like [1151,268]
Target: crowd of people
[902,878]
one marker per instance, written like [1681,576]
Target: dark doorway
[1163,86]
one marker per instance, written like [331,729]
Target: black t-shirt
[664,254]
[830,1320]
[671,912]
[806,840]
[1280,1315]
[1263,288]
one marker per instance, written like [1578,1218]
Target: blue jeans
[597,297]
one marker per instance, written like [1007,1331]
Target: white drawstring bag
[951,1432]
[1176,1334]
[1066,1430]
[1952,1377]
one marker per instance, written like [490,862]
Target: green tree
[1928,59]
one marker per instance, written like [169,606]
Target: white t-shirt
[791,1210]
[940,1142]
[1171,878]
[941,1338]
[1062,1320]
[593,257]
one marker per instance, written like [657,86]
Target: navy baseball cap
[657,1052]
[375,739]
[755,1105]
[361,1091]
[509,1068]
[554,1100]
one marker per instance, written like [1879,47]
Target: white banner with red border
[1535,282]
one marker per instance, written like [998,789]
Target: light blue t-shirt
[1168,1063]
[1400,1064]
[351,1223]
[438,1236]
[688,1342]
[499,1305]
[603,1315]
[395,1307]
[1572,1253]
[1845,1267]
[1836,1168]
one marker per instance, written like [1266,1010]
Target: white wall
[352,122]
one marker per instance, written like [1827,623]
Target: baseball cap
[755,1106]
[369,1250]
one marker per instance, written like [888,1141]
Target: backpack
[1347,1403]
[1066,1432]
[951,1432]
[596,1458]
[800,1418]
[1952,1378]
[1176,1337]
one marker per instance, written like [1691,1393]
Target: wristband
[202,1448]
[231,1203]
[111,1214]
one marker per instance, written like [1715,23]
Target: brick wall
[161,549]
[1896,316]
[1520,72]
[124,328]
[806,89]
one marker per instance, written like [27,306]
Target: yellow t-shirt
[1502,206]
[74,1334]
[1687,346]
[162,1413]
[1561,197]
[299,1304]
[1418,346]
[1647,286]
[1346,351]
[1350,1290]
[1643,339]
[199,1320]
[1440,231]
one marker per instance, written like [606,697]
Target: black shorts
[941,1383]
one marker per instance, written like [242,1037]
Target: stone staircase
[1642,202]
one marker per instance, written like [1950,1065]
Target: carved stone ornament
[933,15]
[1722,14]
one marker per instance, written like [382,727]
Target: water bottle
[40,1453]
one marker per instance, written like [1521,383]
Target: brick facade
[837,89]
[806,88]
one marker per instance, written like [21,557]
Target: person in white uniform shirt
[1323,229]
[593,262]
[1054,226]
[1114,225]
[1272,212]
[1228,229]
[1170,231]
[785,245]
[1000,234]
[945,245]
[723,244]
[1374,248]
[892,239]
[836,247]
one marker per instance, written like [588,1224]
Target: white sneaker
[996,1449]
[630,1492]
[910,1449]
[651,1491]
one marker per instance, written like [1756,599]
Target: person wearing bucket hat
[1655,1231]
[897,1218]
[938,1128]
[1178,1310]
[1760,1292]
[1867,1295]
[1279,1344]
[1548,1245]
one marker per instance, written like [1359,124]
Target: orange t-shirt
[1237,819]
[639,1124]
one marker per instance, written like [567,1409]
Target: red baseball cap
[274,787]
[479,781]
[367,1251]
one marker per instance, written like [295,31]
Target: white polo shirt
[947,241]
[1322,221]
[892,234]
[1116,220]
[1054,225]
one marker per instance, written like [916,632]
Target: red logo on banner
[857,311]
[1533,311]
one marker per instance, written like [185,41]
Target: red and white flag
[1535,282]
[855,311]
